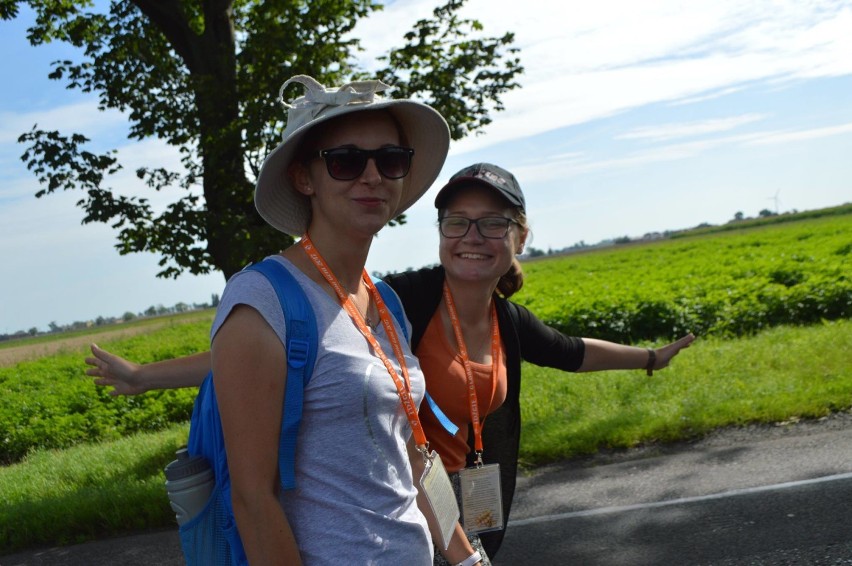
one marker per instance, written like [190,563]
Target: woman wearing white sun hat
[350,161]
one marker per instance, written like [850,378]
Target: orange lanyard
[403,386]
[468,370]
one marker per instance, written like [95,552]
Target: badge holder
[436,486]
[482,498]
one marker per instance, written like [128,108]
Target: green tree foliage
[202,74]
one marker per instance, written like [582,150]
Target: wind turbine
[776,200]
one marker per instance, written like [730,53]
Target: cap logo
[493,177]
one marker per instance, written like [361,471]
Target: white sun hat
[425,130]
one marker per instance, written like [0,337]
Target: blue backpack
[211,537]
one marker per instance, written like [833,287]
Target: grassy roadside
[59,497]
[779,374]
[97,490]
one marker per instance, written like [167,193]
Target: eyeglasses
[491,227]
[347,163]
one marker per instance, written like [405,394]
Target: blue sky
[634,117]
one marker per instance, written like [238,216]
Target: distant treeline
[150,312]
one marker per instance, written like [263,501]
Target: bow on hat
[319,98]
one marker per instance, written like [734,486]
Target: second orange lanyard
[476,422]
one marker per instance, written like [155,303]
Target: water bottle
[189,482]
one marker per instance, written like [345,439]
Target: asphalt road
[763,495]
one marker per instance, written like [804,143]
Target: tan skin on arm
[602,355]
[249,369]
[128,378]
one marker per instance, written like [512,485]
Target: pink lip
[368,201]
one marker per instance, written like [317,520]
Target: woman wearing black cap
[470,340]
[463,321]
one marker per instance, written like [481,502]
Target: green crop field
[725,284]
[771,306]
[49,402]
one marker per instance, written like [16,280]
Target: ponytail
[512,280]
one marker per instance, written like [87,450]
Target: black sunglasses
[347,163]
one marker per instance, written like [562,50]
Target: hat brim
[289,211]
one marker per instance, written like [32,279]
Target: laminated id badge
[438,490]
[482,498]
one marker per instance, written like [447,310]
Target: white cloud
[151,153]
[800,135]
[587,61]
[711,95]
[665,132]
[81,117]
[385,29]
[556,167]
[591,60]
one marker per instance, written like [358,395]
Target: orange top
[446,383]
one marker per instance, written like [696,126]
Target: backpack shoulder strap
[302,340]
[393,304]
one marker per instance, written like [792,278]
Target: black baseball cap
[488,175]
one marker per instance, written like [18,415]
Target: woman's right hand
[116,372]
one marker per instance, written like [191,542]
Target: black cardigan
[524,337]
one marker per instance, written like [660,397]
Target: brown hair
[512,281]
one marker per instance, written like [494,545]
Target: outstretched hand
[114,371]
[669,351]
